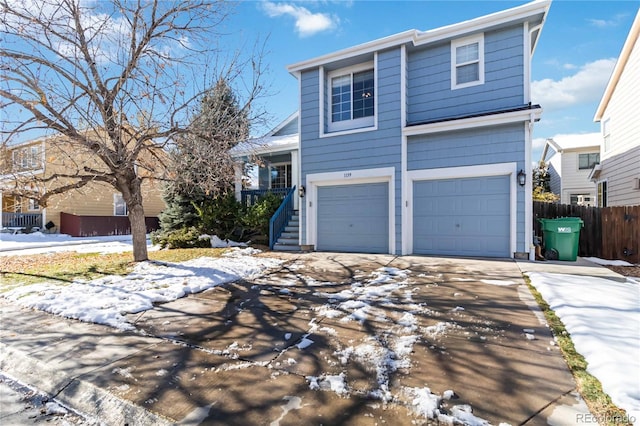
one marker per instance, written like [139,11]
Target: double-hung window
[352,98]
[467,62]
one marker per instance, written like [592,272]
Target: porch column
[237,167]
[295,177]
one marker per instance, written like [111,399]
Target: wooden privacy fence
[609,232]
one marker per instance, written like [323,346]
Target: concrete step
[287,241]
[290,235]
[286,247]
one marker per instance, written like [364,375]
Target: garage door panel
[353,218]
[463,217]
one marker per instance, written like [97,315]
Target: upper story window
[467,62]
[587,161]
[352,98]
[606,134]
[27,158]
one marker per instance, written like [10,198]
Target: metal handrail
[280,218]
[249,197]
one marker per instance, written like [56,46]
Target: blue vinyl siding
[485,145]
[429,93]
[290,129]
[364,150]
[429,97]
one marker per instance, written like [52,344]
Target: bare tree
[116,81]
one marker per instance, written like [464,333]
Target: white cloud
[587,85]
[605,23]
[307,23]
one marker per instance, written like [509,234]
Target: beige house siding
[574,180]
[620,158]
[97,199]
[622,109]
[94,199]
[620,173]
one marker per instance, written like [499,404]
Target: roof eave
[617,70]
[419,38]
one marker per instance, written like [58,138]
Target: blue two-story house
[420,142]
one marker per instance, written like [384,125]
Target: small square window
[467,62]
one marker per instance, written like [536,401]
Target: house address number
[347,174]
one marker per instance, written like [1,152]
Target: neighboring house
[618,175]
[268,163]
[95,209]
[570,160]
[420,142]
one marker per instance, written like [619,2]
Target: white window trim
[115,196]
[364,124]
[29,205]
[348,177]
[499,169]
[478,38]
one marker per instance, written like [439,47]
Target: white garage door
[462,217]
[353,218]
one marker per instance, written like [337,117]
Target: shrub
[180,238]
[221,216]
[258,215]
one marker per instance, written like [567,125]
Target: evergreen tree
[202,165]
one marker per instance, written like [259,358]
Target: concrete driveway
[325,339]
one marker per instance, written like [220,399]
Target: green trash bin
[561,236]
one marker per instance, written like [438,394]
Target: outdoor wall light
[302,191]
[522,177]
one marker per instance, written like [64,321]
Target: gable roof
[629,45]
[270,142]
[533,11]
[561,143]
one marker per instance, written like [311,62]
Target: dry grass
[627,271]
[67,266]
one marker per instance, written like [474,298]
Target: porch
[16,222]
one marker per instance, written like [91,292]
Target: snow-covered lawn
[603,318]
[38,242]
[105,300]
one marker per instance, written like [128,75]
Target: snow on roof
[266,144]
[576,141]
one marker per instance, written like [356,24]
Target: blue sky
[580,43]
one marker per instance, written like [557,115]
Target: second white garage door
[353,218]
[462,217]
